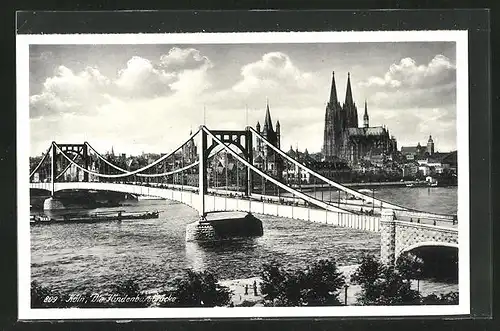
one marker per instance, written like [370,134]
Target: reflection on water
[97,255]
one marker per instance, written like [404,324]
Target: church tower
[333,123]
[350,107]
[430,145]
[366,121]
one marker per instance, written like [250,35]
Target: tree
[369,270]
[273,281]
[321,283]
[410,267]
[382,285]
[316,285]
[199,289]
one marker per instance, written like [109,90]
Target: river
[77,257]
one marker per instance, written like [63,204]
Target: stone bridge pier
[397,237]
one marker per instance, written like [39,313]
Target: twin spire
[348,94]
[349,105]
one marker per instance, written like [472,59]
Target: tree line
[318,284]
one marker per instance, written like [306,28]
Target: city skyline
[128,96]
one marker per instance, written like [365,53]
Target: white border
[23,146]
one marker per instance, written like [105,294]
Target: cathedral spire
[366,122]
[348,92]
[333,92]
[351,113]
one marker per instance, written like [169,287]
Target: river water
[95,256]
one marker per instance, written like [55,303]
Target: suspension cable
[337,185]
[127,174]
[41,161]
[69,165]
[148,166]
[271,179]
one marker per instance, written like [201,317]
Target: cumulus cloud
[181,71]
[141,78]
[408,74]
[408,84]
[275,77]
[69,92]
[184,59]
[272,71]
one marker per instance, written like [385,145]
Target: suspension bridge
[214,171]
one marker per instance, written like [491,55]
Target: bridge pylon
[249,157]
[203,180]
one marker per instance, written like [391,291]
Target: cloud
[275,77]
[273,71]
[408,84]
[69,92]
[181,71]
[407,74]
[184,59]
[141,79]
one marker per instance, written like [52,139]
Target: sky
[147,98]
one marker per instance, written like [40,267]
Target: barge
[95,217]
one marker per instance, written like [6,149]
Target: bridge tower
[240,139]
[82,151]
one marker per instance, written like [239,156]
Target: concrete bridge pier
[52,204]
[387,237]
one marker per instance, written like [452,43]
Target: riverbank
[240,299]
[359,185]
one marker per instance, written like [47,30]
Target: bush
[199,289]
[317,285]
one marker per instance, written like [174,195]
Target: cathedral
[345,140]
[265,158]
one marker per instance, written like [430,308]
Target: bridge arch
[440,259]
[427,244]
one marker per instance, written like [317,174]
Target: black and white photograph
[269,174]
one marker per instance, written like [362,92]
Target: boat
[365,190]
[98,217]
[148,197]
[410,185]
[39,218]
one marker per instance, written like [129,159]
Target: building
[438,163]
[419,151]
[344,140]
[334,170]
[189,151]
[265,158]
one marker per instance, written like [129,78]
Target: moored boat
[97,217]
[148,197]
